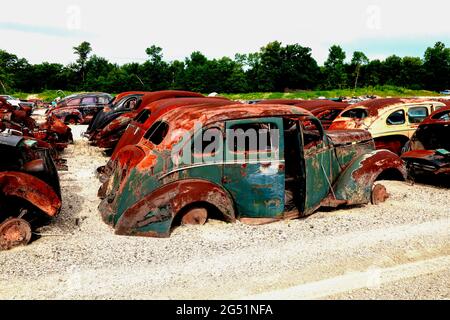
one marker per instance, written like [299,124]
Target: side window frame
[392,113]
[427,109]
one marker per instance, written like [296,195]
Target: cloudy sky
[47,30]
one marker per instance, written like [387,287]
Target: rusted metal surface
[29,188]
[109,136]
[135,131]
[325,110]
[149,189]
[53,131]
[379,194]
[14,232]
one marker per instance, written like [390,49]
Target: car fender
[116,125]
[153,215]
[354,185]
[31,189]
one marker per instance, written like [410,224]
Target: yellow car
[391,121]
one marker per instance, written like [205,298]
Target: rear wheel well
[213,212]
[390,174]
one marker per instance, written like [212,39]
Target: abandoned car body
[324,110]
[53,131]
[169,178]
[109,136]
[29,189]
[81,108]
[137,128]
[122,103]
[392,121]
[428,152]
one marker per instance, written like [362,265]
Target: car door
[318,164]
[253,170]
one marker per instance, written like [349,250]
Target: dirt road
[397,250]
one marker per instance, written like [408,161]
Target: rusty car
[124,102]
[173,176]
[391,121]
[428,151]
[80,108]
[29,189]
[137,128]
[53,131]
[109,136]
[323,109]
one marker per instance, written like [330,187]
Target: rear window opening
[157,133]
[444,116]
[355,114]
[143,116]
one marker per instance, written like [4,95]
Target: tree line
[275,67]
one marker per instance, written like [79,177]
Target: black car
[81,108]
[118,106]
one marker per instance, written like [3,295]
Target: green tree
[412,73]
[154,73]
[334,68]
[437,67]
[392,68]
[358,60]
[82,51]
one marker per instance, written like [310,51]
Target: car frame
[152,189]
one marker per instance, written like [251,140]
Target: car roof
[431,119]
[375,106]
[188,116]
[159,95]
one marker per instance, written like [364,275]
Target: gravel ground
[338,252]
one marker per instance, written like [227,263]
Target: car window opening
[157,133]
[356,113]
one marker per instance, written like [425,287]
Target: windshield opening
[355,113]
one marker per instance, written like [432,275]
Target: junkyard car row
[179,157]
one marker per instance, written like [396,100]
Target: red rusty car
[428,152]
[53,131]
[110,135]
[29,189]
[324,110]
[135,131]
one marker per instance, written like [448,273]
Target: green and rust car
[173,176]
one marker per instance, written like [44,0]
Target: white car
[445,92]
[11,100]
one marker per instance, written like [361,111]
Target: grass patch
[382,91]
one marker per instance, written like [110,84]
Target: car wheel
[195,216]
[14,232]
[379,194]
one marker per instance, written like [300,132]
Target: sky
[47,30]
